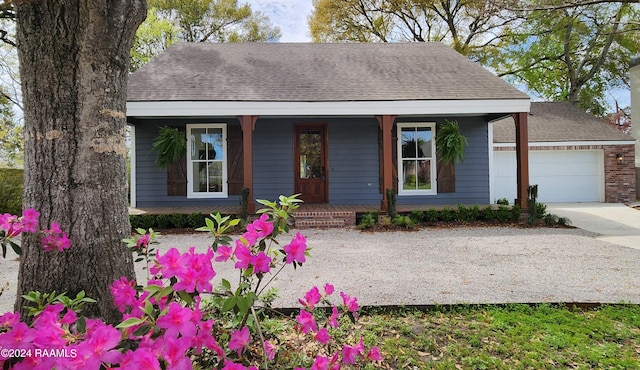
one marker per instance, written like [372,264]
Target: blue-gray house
[337,123]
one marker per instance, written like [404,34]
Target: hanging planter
[170,146]
[450,147]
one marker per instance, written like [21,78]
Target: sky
[289,15]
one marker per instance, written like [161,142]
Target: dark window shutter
[235,162]
[394,157]
[177,178]
[446,177]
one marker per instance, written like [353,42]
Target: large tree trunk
[74,60]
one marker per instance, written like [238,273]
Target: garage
[561,175]
[573,157]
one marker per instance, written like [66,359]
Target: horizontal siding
[273,158]
[354,174]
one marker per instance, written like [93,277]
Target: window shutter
[394,158]
[177,178]
[235,163]
[446,177]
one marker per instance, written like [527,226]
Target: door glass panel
[310,155]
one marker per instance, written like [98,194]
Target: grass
[515,336]
[511,337]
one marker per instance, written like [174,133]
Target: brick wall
[619,178]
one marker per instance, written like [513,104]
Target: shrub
[417,216]
[503,201]
[403,221]
[196,220]
[550,219]
[503,213]
[179,220]
[391,202]
[541,210]
[368,220]
[11,191]
[146,221]
[447,215]
[163,221]
[516,212]
[134,220]
[465,214]
[564,221]
[487,214]
[431,215]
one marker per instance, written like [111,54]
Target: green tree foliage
[574,54]
[11,143]
[169,21]
[472,27]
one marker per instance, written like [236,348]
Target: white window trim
[434,162]
[225,189]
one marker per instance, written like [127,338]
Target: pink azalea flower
[261,262]
[170,263]
[98,347]
[295,250]
[374,354]
[333,319]
[143,241]
[54,239]
[124,294]
[328,289]
[175,353]
[224,253]
[323,336]
[306,321]
[270,350]
[205,338]
[177,321]
[349,354]
[30,220]
[19,337]
[9,319]
[243,256]
[350,302]
[11,225]
[260,228]
[141,358]
[311,298]
[186,280]
[50,335]
[239,340]
[321,363]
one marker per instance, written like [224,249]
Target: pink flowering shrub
[179,320]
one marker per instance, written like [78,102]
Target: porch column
[248,124]
[386,126]
[522,158]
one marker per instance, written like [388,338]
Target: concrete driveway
[614,222]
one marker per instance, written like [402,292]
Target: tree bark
[74,62]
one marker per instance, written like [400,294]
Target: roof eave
[325,108]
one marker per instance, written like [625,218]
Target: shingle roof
[557,122]
[314,72]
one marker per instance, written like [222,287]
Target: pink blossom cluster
[163,325]
[306,323]
[247,253]
[51,239]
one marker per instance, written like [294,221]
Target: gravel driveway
[443,266]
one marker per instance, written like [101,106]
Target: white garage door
[561,175]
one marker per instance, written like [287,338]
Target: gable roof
[250,78]
[314,72]
[558,122]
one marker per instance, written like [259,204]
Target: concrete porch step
[324,219]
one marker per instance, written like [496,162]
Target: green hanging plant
[170,146]
[450,143]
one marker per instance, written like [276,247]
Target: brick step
[324,219]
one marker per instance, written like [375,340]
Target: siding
[272,158]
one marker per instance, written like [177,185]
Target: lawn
[509,337]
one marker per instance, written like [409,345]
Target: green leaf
[16,248]
[228,304]
[132,321]
[185,296]
[244,303]
[81,324]
[142,330]
[226,284]
[152,289]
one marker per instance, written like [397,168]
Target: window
[416,154]
[207,161]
